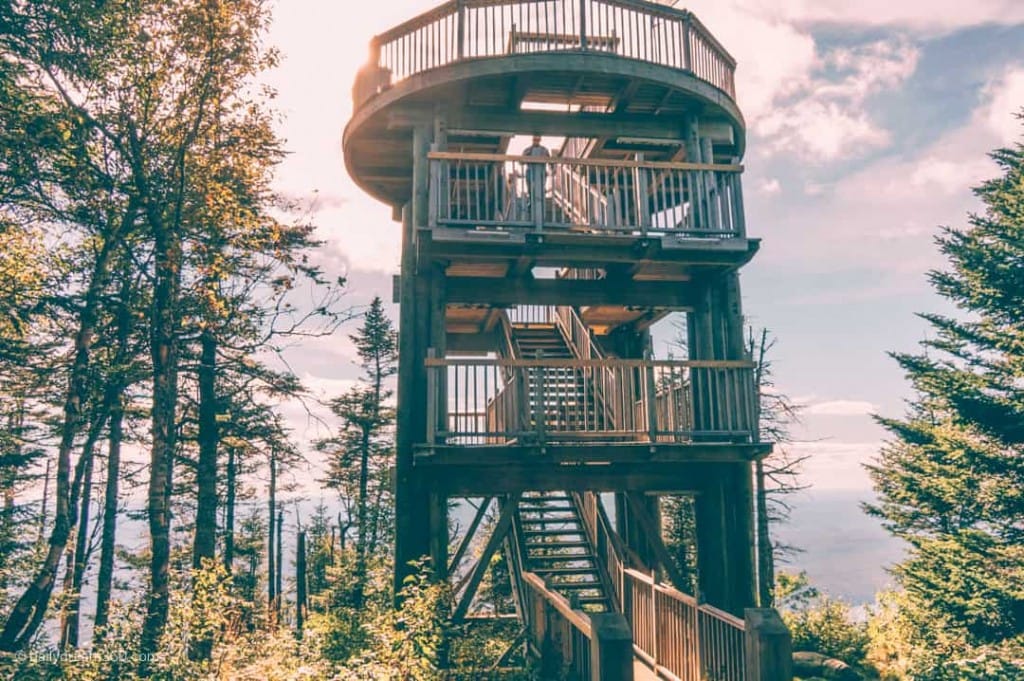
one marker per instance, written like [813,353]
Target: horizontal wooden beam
[554,249]
[472,343]
[527,474]
[568,124]
[504,292]
[596,163]
[591,454]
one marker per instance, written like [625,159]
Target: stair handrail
[577,335]
[615,555]
[593,212]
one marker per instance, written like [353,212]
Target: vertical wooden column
[611,648]
[712,556]
[724,505]
[769,647]
[739,533]
[412,499]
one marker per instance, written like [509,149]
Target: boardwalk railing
[505,401]
[471,29]
[572,644]
[680,638]
[588,195]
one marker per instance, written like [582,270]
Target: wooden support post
[583,24]
[434,201]
[769,648]
[500,530]
[412,499]
[712,563]
[538,399]
[740,537]
[434,398]
[651,389]
[640,189]
[611,648]
[725,539]
[687,30]
[461,4]
[439,535]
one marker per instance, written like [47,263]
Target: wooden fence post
[769,647]
[611,647]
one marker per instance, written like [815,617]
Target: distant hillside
[845,551]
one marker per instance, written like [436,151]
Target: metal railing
[590,195]
[471,29]
[503,401]
[681,639]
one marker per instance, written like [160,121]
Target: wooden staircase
[566,396]
[554,545]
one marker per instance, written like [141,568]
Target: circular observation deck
[621,75]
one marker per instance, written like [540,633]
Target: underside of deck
[627,107]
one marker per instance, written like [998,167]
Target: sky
[868,123]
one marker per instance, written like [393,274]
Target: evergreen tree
[359,455]
[949,480]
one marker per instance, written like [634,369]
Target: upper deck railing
[591,195]
[470,29]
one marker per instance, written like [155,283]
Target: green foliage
[820,623]
[949,479]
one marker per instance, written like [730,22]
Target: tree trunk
[229,514]
[280,561]
[164,349]
[80,561]
[206,511]
[8,529]
[28,612]
[105,579]
[271,538]
[108,541]
[765,554]
[46,501]
[300,583]
[363,512]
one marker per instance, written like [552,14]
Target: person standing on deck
[536,176]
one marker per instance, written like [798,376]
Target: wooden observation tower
[529,285]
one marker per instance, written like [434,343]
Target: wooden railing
[680,638]
[471,29]
[589,195]
[608,547]
[556,631]
[499,401]
[572,644]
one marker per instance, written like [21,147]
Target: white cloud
[769,186]
[1005,96]
[932,16]
[836,465]
[840,408]
[826,118]
[880,218]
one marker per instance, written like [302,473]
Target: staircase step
[573,559]
[550,521]
[558,545]
[552,533]
[565,571]
[537,507]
